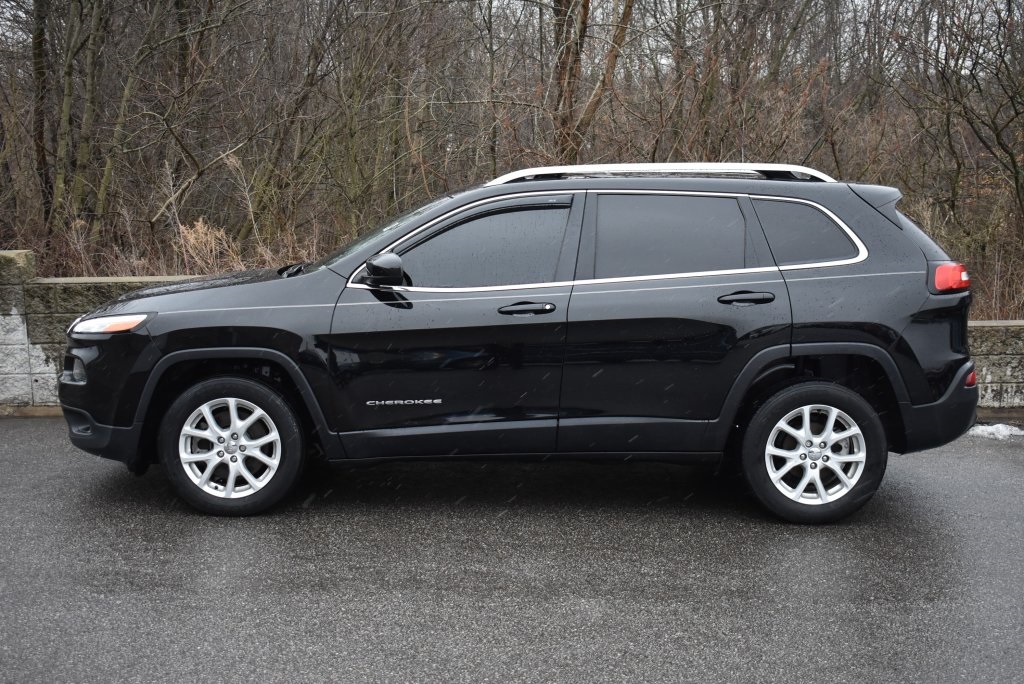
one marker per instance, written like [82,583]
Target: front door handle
[747,298]
[527,308]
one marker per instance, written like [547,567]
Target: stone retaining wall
[998,350]
[35,312]
[34,315]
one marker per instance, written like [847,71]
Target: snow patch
[998,431]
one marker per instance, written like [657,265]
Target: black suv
[671,311]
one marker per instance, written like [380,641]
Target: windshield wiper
[294,269]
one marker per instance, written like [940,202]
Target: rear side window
[800,234]
[639,235]
[506,248]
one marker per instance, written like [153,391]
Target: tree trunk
[41,83]
[62,159]
[85,142]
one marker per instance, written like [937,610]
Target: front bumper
[116,443]
[931,425]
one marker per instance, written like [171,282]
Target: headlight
[109,324]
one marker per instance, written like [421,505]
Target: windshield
[392,225]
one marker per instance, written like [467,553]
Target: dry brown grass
[197,249]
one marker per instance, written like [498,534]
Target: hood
[199,283]
[257,288]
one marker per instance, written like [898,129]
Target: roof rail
[770,171]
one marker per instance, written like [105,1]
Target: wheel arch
[179,370]
[866,369]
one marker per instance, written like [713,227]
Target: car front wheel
[814,452]
[231,446]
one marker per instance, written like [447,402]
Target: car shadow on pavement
[496,484]
[501,485]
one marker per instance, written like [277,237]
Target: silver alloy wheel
[815,454]
[229,448]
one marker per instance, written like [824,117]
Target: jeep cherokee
[665,311]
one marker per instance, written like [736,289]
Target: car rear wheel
[814,452]
[231,446]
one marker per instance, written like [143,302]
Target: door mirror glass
[384,269]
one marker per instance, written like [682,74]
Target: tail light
[950,277]
[972,379]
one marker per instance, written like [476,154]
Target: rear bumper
[116,443]
[931,425]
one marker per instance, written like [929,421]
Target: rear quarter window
[801,234]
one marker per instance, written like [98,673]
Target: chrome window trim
[583,292]
[553,295]
[862,252]
[456,290]
[564,283]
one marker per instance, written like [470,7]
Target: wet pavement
[508,572]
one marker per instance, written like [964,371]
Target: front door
[466,358]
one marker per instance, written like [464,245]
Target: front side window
[511,247]
[640,235]
[801,234]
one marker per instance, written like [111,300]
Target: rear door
[467,357]
[675,293]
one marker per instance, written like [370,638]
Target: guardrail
[35,312]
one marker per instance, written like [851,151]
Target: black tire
[287,454]
[810,508]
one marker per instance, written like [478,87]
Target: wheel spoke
[199,434]
[262,458]
[208,415]
[799,489]
[806,413]
[798,435]
[782,453]
[233,414]
[204,480]
[841,475]
[848,458]
[244,426]
[830,424]
[266,439]
[784,470]
[249,477]
[846,434]
[197,458]
[820,486]
[229,484]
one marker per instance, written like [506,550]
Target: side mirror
[384,269]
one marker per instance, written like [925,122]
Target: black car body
[564,312]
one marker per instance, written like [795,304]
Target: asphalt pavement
[505,572]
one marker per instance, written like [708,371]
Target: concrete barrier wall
[35,313]
[998,350]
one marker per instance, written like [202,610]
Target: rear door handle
[747,298]
[527,308]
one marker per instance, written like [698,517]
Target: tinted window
[655,234]
[801,234]
[506,248]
